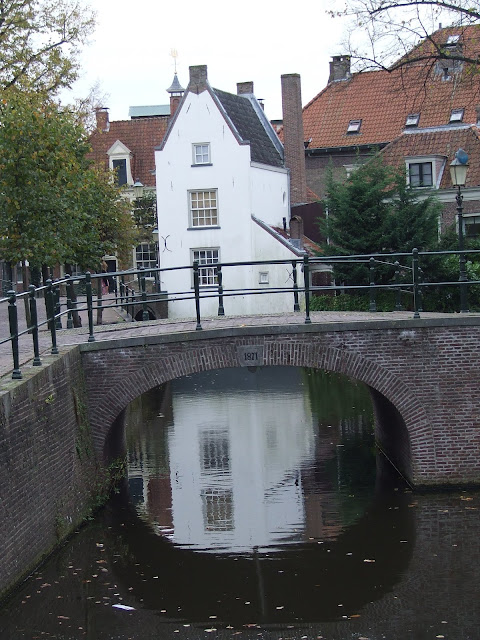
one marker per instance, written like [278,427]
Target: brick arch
[135,370]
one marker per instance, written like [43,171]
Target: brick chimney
[339,68]
[244,87]
[293,142]
[101,115]
[198,78]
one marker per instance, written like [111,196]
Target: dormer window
[354,126]
[201,153]
[412,120]
[420,174]
[456,115]
[119,157]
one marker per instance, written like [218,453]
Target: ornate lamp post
[458,174]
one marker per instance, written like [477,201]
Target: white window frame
[152,250]
[412,120]
[118,151]
[201,154]
[438,166]
[207,270]
[202,216]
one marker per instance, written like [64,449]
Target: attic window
[412,120]
[453,39]
[456,115]
[354,126]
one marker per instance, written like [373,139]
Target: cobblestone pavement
[115,325]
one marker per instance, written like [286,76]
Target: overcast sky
[249,40]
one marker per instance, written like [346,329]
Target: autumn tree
[393,34]
[40,42]
[55,207]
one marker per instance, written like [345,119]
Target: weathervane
[174,54]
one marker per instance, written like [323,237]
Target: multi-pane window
[146,255]
[217,509]
[472,226]
[412,120]
[201,153]
[207,272]
[203,208]
[420,174]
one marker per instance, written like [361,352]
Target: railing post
[143,286]
[398,293]
[88,287]
[306,281]
[58,319]
[122,288]
[69,287]
[373,304]
[296,305]
[196,287]
[415,282]
[463,279]
[34,320]
[221,310]
[50,302]
[13,323]
[420,289]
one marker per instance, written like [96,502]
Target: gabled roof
[140,136]
[248,123]
[246,119]
[383,99]
[438,142]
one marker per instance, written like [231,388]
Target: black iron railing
[62,301]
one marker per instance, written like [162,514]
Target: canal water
[257,506]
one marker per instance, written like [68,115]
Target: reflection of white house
[235,466]
[223,196]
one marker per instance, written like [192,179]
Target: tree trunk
[77,320]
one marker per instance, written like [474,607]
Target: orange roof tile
[383,99]
[140,135]
[440,143]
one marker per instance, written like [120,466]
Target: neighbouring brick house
[127,147]
[419,115]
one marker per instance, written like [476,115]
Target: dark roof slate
[250,128]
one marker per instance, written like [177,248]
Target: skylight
[412,120]
[453,39]
[354,126]
[456,115]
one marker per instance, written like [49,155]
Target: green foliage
[54,206]
[144,212]
[41,40]
[374,211]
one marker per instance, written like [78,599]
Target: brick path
[116,326]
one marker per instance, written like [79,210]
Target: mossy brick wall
[425,380]
[46,463]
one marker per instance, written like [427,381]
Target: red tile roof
[141,136]
[383,99]
[441,143]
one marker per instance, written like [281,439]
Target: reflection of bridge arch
[118,372]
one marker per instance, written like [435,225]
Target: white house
[223,196]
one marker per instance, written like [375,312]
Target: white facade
[203,158]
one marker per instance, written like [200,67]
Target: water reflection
[365,561]
[235,461]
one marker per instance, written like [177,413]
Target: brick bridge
[423,376]
[62,423]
